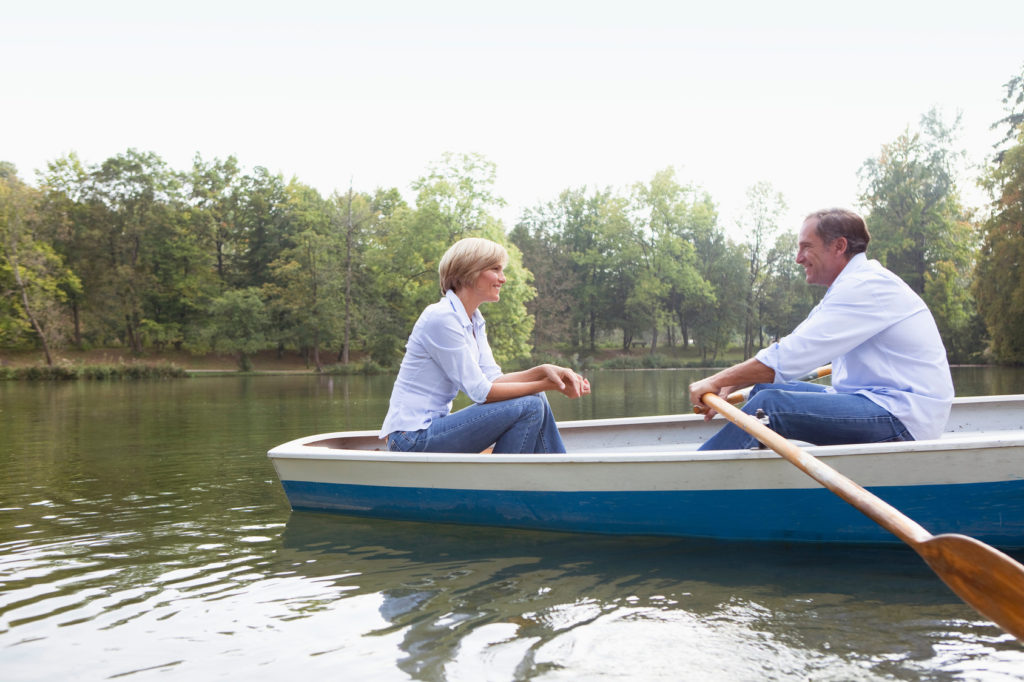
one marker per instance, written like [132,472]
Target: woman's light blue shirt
[882,342]
[446,352]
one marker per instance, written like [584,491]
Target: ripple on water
[145,534]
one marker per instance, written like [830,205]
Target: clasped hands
[566,381]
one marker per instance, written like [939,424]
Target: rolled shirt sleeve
[844,320]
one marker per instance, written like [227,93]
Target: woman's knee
[534,405]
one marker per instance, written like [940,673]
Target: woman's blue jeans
[518,425]
[804,411]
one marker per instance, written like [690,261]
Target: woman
[448,351]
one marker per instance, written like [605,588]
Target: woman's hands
[536,380]
[566,381]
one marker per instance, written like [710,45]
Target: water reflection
[143,532]
[537,605]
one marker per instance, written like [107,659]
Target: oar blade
[987,579]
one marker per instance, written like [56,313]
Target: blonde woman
[448,351]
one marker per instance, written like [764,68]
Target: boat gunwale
[951,442]
[302,448]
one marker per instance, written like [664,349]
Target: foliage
[1013,102]
[921,231]
[368,367]
[238,323]
[131,253]
[65,371]
[760,224]
[34,280]
[999,279]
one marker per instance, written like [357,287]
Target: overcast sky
[557,94]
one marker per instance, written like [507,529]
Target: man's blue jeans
[514,426]
[804,411]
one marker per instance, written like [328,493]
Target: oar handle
[875,508]
[740,396]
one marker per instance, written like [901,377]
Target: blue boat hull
[992,512]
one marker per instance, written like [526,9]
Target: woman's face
[487,286]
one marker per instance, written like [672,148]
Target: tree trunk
[348,278]
[77,324]
[13,260]
[316,351]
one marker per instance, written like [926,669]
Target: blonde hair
[464,260]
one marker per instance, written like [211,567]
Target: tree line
[132,253]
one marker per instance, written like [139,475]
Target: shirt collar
[456,303]
[852,265]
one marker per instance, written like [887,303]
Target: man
[890,377]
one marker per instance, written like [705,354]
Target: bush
[623,362]
[367,367]
[65,371]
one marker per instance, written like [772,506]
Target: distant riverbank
[274,362]
[267,361]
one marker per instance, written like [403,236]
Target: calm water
[144,535]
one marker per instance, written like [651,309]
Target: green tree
[572,237]
[215,192]
[458,192]
[716,319]
[1013,102]
[400,282]
[610,263]
[920,230]
[237,322]
[760,224]
[264,228]
[305,292]
[138,199]
[354,216]
[555,278]
[999,280]
[75,221]
[33,277]
[669,281]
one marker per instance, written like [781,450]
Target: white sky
[557,94]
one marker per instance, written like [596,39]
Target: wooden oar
[740,396]
[988,580]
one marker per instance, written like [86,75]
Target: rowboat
[645,476]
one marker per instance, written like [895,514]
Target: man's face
[822,262]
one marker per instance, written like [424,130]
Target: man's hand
[707,385]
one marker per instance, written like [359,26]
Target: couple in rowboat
[890,377]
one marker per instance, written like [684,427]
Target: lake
[144,535]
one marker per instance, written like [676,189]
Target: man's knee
[757,388]
[763,399]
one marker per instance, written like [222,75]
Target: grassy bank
[66,371]
[114,363]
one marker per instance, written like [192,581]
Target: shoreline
[270,362]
